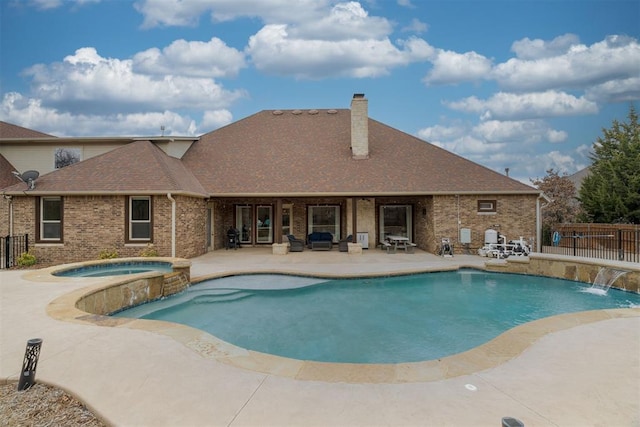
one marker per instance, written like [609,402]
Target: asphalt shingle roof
[6,177]
[8,130]
[136,168]
[307,152]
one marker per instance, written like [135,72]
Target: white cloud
[580,66]
[518,132]
[536,49]
[45,4]
[509,144]
[30,112]
[452,67]
[53,4]
[406,3]
[187,13]
[508,106]
[344,21]
[416,26]
[273,50]
[191,58]
[621,90]
[90,83]
[214,119]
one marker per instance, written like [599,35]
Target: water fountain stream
[604,279]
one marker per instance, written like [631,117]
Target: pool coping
[493,353]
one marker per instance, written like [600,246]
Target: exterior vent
[296,112]
[332,111]
[277,113]
[313,111]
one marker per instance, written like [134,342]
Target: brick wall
[96,223]
[515,216]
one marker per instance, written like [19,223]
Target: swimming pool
[116,268]
[373,320]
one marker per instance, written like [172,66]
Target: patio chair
[295,245]
[343,245]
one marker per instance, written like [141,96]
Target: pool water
[374,320]
[116,269]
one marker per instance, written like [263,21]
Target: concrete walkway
[585,373]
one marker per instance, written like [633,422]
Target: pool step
[212,298]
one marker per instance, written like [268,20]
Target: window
[264,224]
[287,220]
[325,219]
[396,220]
[66,156]
[244,223]
[50,219]
[139,223]
[487,206]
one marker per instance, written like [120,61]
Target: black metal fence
[11,247]
[619,242]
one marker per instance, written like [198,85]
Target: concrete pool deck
[583,373]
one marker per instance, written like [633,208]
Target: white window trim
[43,221]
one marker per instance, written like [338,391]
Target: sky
[517,84]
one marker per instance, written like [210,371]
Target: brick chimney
[359,127]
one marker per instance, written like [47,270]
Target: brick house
[274,173]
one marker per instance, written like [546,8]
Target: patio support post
[277,223]
[354,218]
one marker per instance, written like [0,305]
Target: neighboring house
[273,173]
[578,177]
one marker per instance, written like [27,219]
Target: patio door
[287,220]
[396,220]
[264,224]
[324,219]
[244,222]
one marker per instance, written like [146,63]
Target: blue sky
[518,84]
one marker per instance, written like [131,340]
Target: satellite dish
[28,177]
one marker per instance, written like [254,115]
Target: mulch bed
[43,405]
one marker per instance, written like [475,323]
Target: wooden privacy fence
[11,247]
[605,241]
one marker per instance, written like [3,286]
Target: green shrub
[149,251]
[108,254]
[26,259]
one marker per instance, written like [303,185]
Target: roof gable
[6,177]
[136,168]
[308,153]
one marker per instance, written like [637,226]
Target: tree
[564,206]
[611,191]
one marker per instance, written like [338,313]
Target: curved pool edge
[501,349]
[48,274]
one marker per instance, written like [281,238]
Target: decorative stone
[280,248]
[355,248]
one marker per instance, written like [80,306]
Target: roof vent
[296,112]
[313,111]
[332,111]
[277,113]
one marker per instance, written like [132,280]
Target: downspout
[10,200]
[539,208]
[173,225]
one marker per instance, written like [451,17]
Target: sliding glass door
[324,219]
[395,220]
